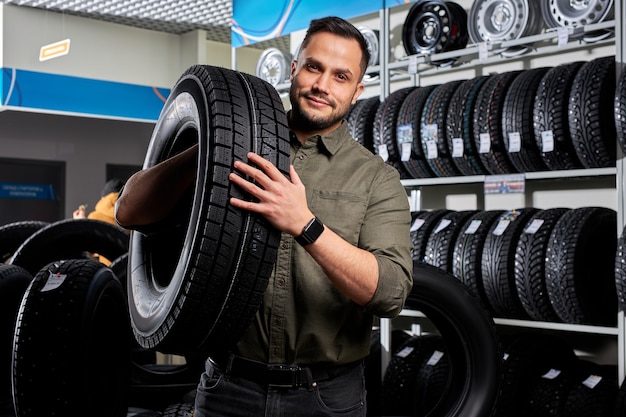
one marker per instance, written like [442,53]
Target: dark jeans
[220,395]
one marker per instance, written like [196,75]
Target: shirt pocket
[342,211]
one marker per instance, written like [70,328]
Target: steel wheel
[434,27]
[502,20]
[576,12]
[371,37]
[273,66]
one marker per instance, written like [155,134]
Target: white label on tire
[534,226]
[53,282]
[592,381]
[485,143]
[442,225]
[547,141]
[457,148]
[406,152]
[515,142]
[383,153]
[417,224]
[551,374]
[473,227]
[501,227]
[431,149]
[435,358]
[405,352]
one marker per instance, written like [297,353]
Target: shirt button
[301,157]
[276,351]
[284,245]
[281,282]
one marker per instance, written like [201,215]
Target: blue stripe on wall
[63,93]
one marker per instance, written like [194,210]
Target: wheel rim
[502,20]
[371,38]
[433,27]
[272,66]
[576,12]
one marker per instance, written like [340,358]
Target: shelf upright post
[383,46]
[620,57]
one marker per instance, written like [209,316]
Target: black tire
[71,343]
[12,235]
[591,113]
[620,272]
[385,130]
[460,127]
[409,133]
[530,265]
[13,283]
[594,392]
[579,266]
[470,337]
[498,263]
[423,224]
[361,121]
[70,239]
[404,384]
[433,136]
[620,110]
[468,251]
[488,121]
[517,118]
[442,239]
[195,287]
[550,116]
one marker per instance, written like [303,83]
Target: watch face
[311,232]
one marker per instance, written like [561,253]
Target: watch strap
[310,232]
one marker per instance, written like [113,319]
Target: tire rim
[273,66]
[434,27]
[371,38]
[576,12]
[502,20]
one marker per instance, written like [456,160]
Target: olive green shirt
[304,319]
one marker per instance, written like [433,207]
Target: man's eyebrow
[311,60]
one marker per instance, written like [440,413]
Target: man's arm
[282,202]
[151,194]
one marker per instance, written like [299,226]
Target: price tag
[592,381]
[515,142]
[485,143]
[405,154]
[412,64]
[405,352]
[431,149]
[416,225]
[53,282]
[442,225]
[501,227]
[547,141]
[435,358]
[483,51]
[551,374]
[562,36]
[473,227]
[457,148]
[383,152]
[534,226]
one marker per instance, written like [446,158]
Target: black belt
[278,375]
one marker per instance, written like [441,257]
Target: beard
[307,121]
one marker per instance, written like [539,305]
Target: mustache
[319,96]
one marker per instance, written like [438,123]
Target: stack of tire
[556,265]
[549,118]
[541,375]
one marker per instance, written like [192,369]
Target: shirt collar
[330,143]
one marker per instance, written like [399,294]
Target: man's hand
[280,200]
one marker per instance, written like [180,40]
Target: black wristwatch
[311,232]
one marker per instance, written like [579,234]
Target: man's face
[325,82]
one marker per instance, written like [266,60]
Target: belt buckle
[283,376]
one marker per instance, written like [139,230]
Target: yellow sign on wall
[54,50]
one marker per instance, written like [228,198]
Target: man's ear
[294,64]
[359,90]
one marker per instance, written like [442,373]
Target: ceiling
[172,16]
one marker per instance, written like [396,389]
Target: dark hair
[340,27]
[113,185]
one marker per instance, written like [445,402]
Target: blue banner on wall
[27,191]
[260,21]
[63,93]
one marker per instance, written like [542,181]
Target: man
[344,253]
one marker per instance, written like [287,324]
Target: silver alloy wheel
[569,13]
[273,66]
[371,38]
[502,20]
